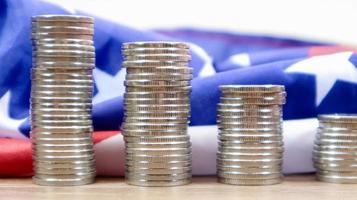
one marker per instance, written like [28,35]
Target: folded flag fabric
[316,75]
[15,154]
[319,78]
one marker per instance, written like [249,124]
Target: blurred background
[318,20]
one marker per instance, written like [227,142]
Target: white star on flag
[108,86]
[327,69]
[9,127]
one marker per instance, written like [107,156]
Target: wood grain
[302,187]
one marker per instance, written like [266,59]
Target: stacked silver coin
[335,149]
[61,100]
[250,148]
[157,108]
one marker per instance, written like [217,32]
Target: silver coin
[253,156]
[251,119]
[157,177]
[157,171]
[156,101]
[62,52]
[58,66]
[335,118]
[251,112]
[63,59]
[169,70]
[237,175]
[250,169]
[335,148]
[178,144]
[56,28]
[337,179]
[53,157]
[250,182]
[277,95]
[167,50]
[45,35]
[161,57]
[51,49]
[63,41]
[65,144]
[62,81]
[64,171]
[251,130]
[161,107]
[248,162]
[157,151]
[244,137]
[62,129]
[150,183]
[157,95]
[156,83]
[334,136]
[251,101]
[252,88]
[336,155]
[336,142]
[223,126]
[53,141]
[63,18]
[46,151]
[158,113]
[61,26]
[158,77]
[251,149]
[129,89]
[153,133]
[154,64]
[348,126]
[162,114]
[75,181]
[159,158]
[158,127]
[159,165]
[155,44]
[65,164]
[181,138]
[64,106]
[336,167]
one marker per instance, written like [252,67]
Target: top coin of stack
[335,149]
[157,108]
[250,146]
[61,96]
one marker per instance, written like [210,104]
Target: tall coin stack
[157,108]
[335,149]
[61,96]
[250,148]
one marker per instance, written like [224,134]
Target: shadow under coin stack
[250,149]
[335,150]
[61,96]
[157,108]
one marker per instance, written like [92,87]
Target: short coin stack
[157,108]
[335,150]
[250,149]
[61,100]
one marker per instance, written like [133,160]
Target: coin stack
[157,108]
[61,96]
[250,148]
[335,149]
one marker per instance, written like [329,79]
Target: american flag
[319,78]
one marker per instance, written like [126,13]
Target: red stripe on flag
[16,154]
[324,50]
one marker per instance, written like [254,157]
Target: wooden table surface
[302,187]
